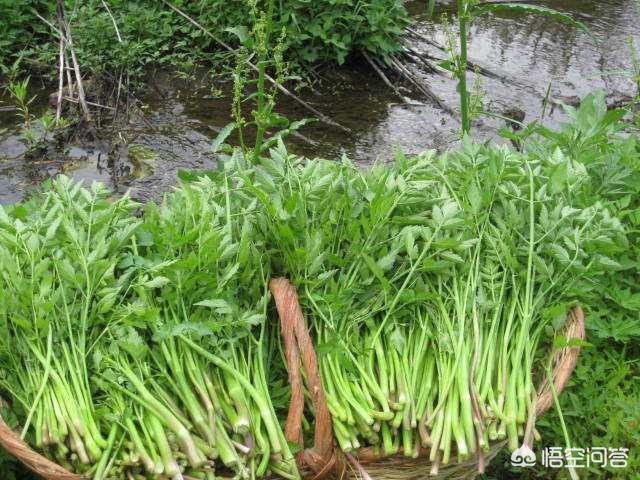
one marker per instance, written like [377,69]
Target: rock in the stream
[515,116]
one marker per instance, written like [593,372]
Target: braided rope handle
[323,458]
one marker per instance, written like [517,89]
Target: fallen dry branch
[68,41]
[93,104]
[60,81]
[113,20]
[404,72]
[396,65]
[119,86]
[382,75]
[66,44]
[471,65]
[415,57]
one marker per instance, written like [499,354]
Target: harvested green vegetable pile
[96,312]
[429,285]
[147,345]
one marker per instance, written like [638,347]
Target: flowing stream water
[530,58]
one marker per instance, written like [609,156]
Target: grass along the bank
[115,35]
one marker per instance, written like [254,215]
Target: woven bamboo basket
[324,459]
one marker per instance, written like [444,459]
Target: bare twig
[305,139]
[129,95]
[414,58]
[282,89]
[404,72]
[118,93]
[60,82]
[63,59]
[115,25]
[472,66]
[50,25]
[381,74]
[68,69]
[93,104]
[425,39]
[423,59]
[76,67]
[132,99]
